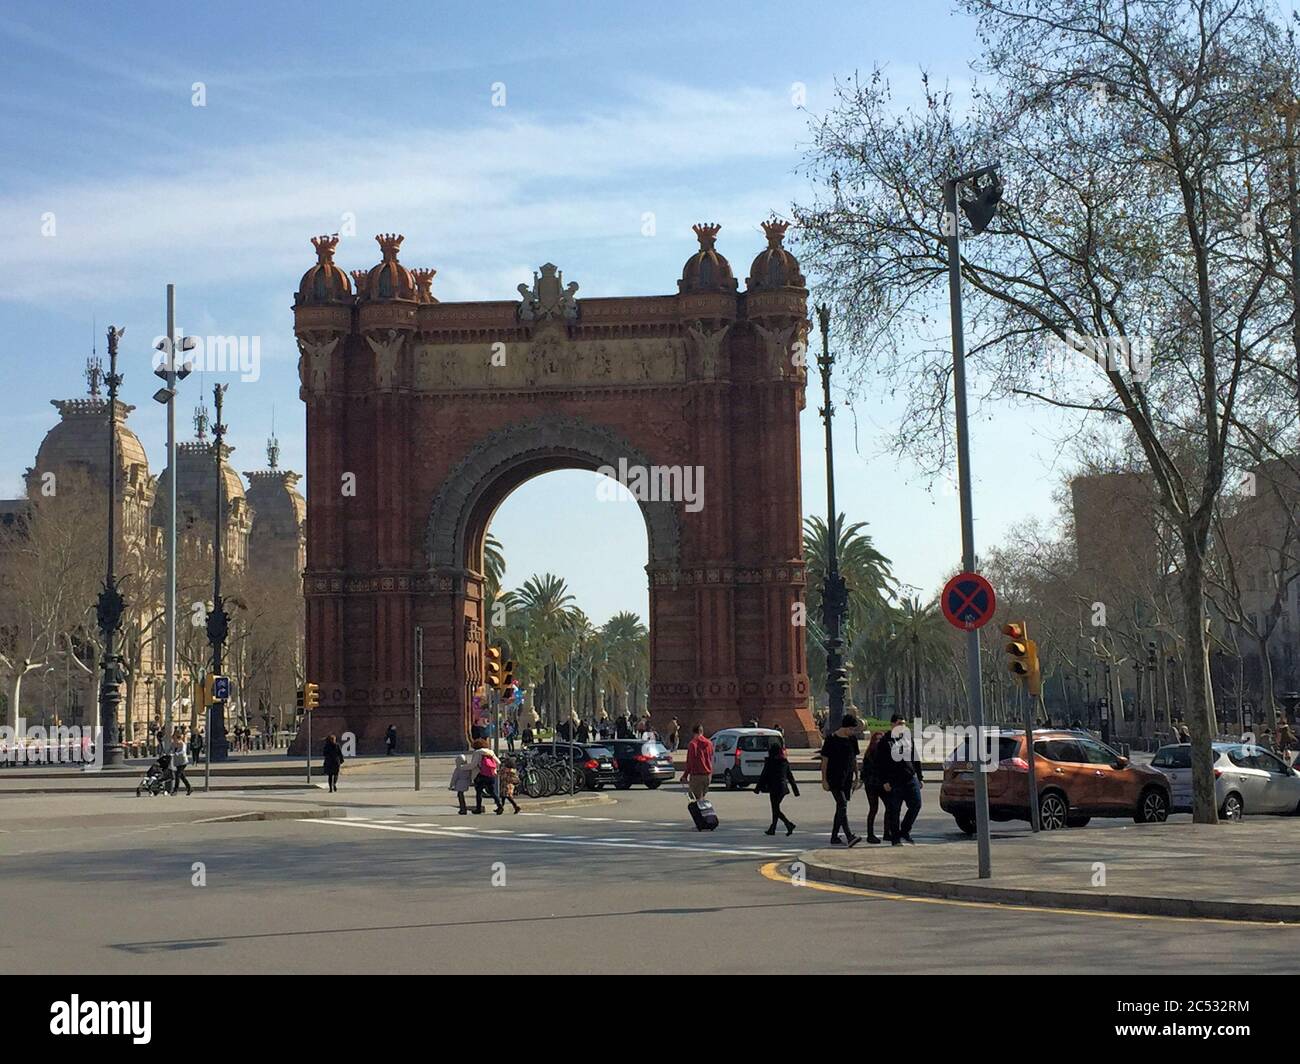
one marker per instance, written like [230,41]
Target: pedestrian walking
[872,785]
[333,757]
[509,729]
[776,781]
[674,734]
[839,756]
[390,739]
[1184,736]
[484,766]
[509,781]
[461,777]
[180,758]
[901,780]
[699,764]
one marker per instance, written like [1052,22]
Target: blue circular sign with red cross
[968,601]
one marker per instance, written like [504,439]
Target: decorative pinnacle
[775,230]
[707,232]
[325,246]
[388,245]
[94,374]
[200,422]
[424,283]
[359,278]
[273,452]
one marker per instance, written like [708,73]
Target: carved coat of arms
[549,298]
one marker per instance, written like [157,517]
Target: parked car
[595,760]
[739,753]
[644,761]
[1077,777]
[1246,779]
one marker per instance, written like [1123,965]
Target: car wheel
[653,784]
[622,785]
[1052,811]
[965,823]
[1233,808]
[1077,821]
[1153,807]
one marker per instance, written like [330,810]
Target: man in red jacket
[699,764]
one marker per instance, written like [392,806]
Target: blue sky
[317,111]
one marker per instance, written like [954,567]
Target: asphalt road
[625,887]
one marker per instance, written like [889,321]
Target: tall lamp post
[218,620]
[979,211]
[834,593]
[171,374]
[110,606]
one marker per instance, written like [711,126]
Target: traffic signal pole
[974,683]
[419,682]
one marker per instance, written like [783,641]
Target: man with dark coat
[900,773]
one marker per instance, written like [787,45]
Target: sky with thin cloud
[315,113]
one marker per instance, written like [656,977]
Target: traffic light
[199,693]
[301,702]
[1022,656]
[309,697]
[492,669]
[220,688]
[508,680]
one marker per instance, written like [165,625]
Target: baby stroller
[158,779]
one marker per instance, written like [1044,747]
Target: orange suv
[1078,778]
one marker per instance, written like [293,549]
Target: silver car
[1247,779]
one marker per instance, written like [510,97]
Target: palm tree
[540,616]
[867,576]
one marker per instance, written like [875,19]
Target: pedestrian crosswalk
[684,842]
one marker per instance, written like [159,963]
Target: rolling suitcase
[703,815]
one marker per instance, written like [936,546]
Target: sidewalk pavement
[1232,871]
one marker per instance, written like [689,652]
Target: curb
[1132,904]
[329,813]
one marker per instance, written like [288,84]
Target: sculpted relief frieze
[550,360]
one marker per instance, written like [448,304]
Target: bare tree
[1119,281]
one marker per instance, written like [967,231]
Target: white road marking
[505,836]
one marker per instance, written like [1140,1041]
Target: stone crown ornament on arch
[569,443]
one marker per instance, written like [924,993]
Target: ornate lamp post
[218,624]
[834,593]
[110,606]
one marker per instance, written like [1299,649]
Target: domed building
[278,542]
[69,477]
[195,485]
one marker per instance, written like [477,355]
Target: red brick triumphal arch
[422,416]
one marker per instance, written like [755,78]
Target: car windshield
[599,751]
[1173,757]
[654,749]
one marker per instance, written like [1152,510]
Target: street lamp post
[834,592]
[218,624]
[979,211]
[171,374]
[110,606]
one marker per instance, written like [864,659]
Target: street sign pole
[974,680]
[307,713]
[419,682]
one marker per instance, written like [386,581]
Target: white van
[739,753]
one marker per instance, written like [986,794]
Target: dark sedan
[595,760]
[641,761]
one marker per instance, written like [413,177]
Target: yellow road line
[773,871]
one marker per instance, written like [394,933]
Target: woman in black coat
[333,761]
[777,780]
